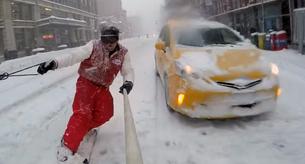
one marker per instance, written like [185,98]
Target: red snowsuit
[93,103]
[92,107]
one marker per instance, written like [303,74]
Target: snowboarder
[101,60]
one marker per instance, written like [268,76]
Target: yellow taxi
[209,70]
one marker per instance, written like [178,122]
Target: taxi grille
[238,86]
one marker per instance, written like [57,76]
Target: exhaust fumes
[181,9]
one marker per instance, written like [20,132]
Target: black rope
[24,75]
[6,75]
[25,68]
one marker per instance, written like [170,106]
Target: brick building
[28,24]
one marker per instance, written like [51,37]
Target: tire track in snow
[39,136]
[34,94]
[16,85]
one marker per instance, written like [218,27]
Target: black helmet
[110,34]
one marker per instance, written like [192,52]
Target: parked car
[208,70]
[62,46]
[38,50]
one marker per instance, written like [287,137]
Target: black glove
[46,66]
[127,85]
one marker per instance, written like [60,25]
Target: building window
[60,14]
[45,12]
[21,11]
[88,35]
[302,3]
[20,40]
[87,21]
[1,10]
[24,39]
[299,3]
[59,1]
[76,16]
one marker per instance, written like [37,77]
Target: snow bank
[38,49]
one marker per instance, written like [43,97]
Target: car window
[229,36]
[164,36]
[191,38]
[200,37]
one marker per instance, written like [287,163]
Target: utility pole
[263,16]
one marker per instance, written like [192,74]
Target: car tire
[156,68]
[157,73]
[166,94]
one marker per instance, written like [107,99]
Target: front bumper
[232,105]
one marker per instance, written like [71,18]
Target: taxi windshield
[200,37]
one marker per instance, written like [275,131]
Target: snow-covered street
[34,112]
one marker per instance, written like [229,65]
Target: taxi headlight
[180,98]
[184,71]
[278,92]
[274,69]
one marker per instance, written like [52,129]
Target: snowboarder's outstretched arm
[75,56]
[128,74]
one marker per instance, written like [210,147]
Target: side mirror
[160,45]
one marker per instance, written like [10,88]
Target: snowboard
[85,149]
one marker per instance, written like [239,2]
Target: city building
[49,24]
[247,16]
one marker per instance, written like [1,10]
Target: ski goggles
[109,39]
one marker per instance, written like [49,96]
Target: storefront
[56,35]
[56,31]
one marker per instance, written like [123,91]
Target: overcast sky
[148,10]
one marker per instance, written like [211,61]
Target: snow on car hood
[222,61]
[201,62]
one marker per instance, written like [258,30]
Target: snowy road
[34,112]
